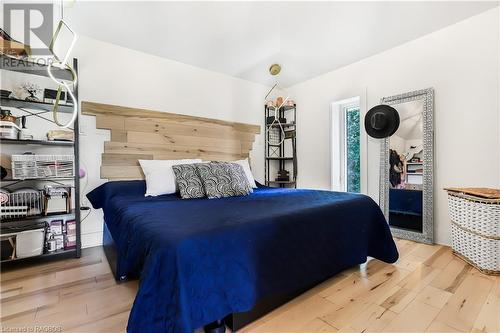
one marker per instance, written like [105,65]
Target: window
[346,146]
[352,158]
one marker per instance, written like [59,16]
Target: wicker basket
[475,230]
[42,166]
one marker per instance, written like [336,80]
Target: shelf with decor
[36,105]
[281,145]
[44,221]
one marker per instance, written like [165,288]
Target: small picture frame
[56,227]
[50,95]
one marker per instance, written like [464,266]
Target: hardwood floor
[427,290]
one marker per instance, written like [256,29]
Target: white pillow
[160,178]
[246,167]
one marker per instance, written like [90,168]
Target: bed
[213,261]
[201,260]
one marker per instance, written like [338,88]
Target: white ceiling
[242,39]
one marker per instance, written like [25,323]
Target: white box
[8,130]
[29,243]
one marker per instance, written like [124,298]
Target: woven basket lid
[482,192]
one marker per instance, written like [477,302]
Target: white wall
[116,75]
[498,70]
[461,62]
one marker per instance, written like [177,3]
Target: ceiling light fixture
[274,100]
[275,69]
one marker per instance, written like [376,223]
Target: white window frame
[338,162]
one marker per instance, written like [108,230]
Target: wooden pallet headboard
[144,134]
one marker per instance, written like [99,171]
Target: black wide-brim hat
[381,121]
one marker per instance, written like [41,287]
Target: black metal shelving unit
[282,156]
[34,68]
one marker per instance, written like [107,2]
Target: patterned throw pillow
[188,181]
[239,174]
[223,179]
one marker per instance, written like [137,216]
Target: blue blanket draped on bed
[200,260]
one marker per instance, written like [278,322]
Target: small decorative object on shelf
[475,226]
[60,135]
[24,133]
[9,130]
[32,89]
[6,115]
[50,96]
[283,176]
[55,235]
[290,134]
[57,199]
[70,239]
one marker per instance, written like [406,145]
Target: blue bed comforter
[200,260]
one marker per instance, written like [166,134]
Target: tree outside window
[353,161]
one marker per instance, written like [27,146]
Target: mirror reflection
[406,168]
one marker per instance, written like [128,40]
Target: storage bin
[475,227]
[9,130]
[42,166]
[30,243]
[22,239]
